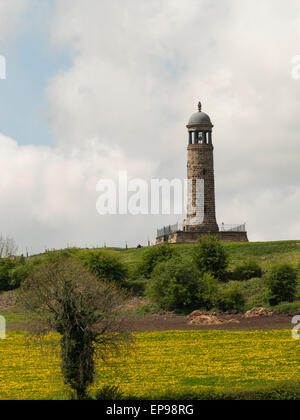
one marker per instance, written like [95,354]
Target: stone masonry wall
[201,166]
[192,237]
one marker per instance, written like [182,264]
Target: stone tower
[201,207]
[201,214]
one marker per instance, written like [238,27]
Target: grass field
[180,362]
[265,253]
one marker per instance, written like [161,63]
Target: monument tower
[201,212]
[201,207]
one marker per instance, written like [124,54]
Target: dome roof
[200,118]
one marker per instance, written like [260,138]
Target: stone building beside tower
[201,208]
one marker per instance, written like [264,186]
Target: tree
[210,256]
[247,270]
[231,298]
[208,291]
[8,247]
[282,282]
[68,299]
[154,256]
[6,266]
[174,284]
[106,266]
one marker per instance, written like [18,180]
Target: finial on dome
[200,107]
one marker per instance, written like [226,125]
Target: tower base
[181,237]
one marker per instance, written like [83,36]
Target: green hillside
[265,253]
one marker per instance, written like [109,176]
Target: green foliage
[282,281]
[208,291]
[256,292]
[247,270]
[231,298]
[137,285]
[174,284]
[154,256]
[209,255]
[266,254]
[6,265]
[287,307]
[77,352]
[106,266]
[19,274]
[109,393]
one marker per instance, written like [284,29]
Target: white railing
[166,230]
[232,228]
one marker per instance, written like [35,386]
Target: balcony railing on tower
[232,228]
[166,230]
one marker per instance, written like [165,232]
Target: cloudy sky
[95,87]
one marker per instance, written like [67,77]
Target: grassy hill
[264,253]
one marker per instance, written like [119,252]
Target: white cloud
[50,197]
[10,16]
[139,70]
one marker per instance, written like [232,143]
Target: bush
[256,291]
[18,275]
[6,265]
[174,284]
[138,285]
[287,307]
[210,255]
[208,290]
[231,298]
[247,270]
[282,282]
[154,256]
[106,266]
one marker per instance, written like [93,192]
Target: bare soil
[168,321]
[230,322]
[7,301]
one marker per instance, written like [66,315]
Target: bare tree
[86,312]
[8,246]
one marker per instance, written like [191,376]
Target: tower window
[204,172]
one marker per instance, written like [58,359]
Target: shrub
[208,290]
[247,270]
[231,298]
[6,265]
[256,291]
[18,275]
[138,285]
[153,256]
[106,266]
[282,282]
[210,255]
[174,284]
